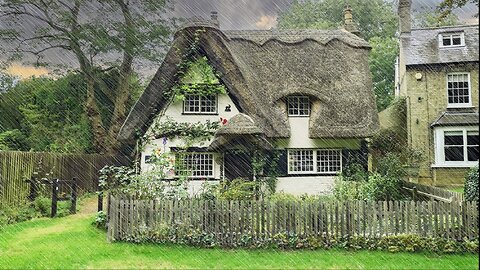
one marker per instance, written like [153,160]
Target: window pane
[472,153]
[454,153]
[457,88]
[453,138]
[298,105]
[446,41]
[456,40]
[472,138]
[301,160]
[329,160]
[194,164]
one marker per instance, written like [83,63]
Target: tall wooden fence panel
[229,220]
[16,167]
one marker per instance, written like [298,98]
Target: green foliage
[191,131]
[239,189]
[446,7]
[374,18]
[381,61]
[179,233]
[348,190]
[198,79]
[100,220]
[6,82]
[471,185]
[15,214]
[432,19]
[13,140]
[382,185]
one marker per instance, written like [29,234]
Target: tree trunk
[95,119]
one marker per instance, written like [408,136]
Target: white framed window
[314,161]
[298,106]
[448,40]
[194,165]
[458,90]
[456,146]
[197,104]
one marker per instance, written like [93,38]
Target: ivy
[169,128]
[197,76]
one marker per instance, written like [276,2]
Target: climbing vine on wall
[196,75]
[168,128]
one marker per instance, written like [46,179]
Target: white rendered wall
[175,111]
[311,185]
[299,138]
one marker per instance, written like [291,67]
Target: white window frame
[315,161]
[309,107]
[200,97]
[450,35]
[439,147]
[192,176]
[460,105]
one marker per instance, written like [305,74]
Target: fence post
[54,197]
[100,198]
[33,189]
[414,193]
[73,206]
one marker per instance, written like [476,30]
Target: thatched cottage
[305,95]
[437,74]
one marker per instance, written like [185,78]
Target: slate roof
[455,118]
[421,46]
[261,68]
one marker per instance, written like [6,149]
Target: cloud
[266,22]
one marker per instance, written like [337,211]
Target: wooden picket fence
[263,219]
[431,192]
[16,168]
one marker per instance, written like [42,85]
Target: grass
[72,242]
[458,189]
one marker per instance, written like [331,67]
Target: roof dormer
[451,39]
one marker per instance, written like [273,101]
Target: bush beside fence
[228,221]
[16,167]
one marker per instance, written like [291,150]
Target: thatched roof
[239,124]
[261,68]
[421,46]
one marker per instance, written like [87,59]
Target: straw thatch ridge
[238,125]
[261,68]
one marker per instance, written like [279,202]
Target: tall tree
[431,19]
[125,30]
[446,7]
[377,23]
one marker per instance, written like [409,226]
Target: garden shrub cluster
[41,207]
[354,183]
[471,185]
[185,235]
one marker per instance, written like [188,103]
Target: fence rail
[436,193]
[261,219]
[17,167]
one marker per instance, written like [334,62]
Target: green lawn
[71,242]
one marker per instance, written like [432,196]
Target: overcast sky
[237,14]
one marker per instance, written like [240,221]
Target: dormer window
[448,40]
[298,106]
[197,104]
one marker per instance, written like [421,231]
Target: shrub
[239,189]
[381,188]
[100,220]
[471,185]
[354,172]
[348,190]
[19,213]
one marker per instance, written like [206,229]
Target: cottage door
[238,165]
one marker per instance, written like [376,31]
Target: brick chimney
[348,23]
[214,18]
[405,19]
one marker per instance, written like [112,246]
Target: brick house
[437,73]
